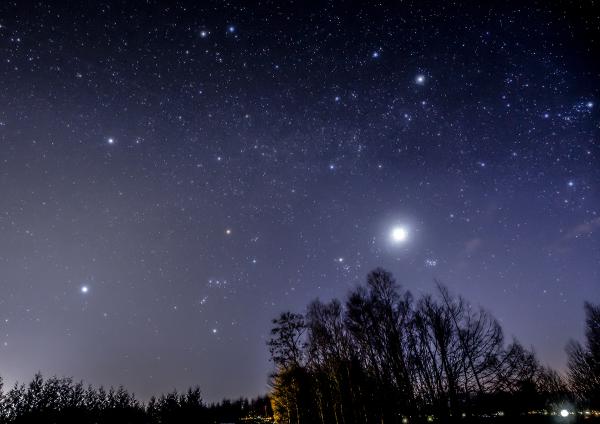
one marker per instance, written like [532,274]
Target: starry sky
[173,175]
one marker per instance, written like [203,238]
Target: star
[420,79]
[375,55]
[84,289]
[398,235]
[110,140]
[431,262]
[231,29]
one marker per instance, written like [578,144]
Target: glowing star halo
[399,235]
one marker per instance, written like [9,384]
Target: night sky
[174,175]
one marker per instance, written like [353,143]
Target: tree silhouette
[384,357]
[584,361]
[59,400]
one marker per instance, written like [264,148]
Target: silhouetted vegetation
[60,400]
[584,361]
[386,357]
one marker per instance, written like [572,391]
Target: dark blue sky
[200,167]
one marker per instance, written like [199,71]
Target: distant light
[214,331]
[228,231]
[420,79]
[231,29]
[111,140]
[431,262]
[590,104]
[203,33]
[564,413]
[375,55]
[84,289]
[399,234]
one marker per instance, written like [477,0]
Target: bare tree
[584,361]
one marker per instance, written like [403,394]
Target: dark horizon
[173,175]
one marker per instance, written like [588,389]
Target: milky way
[173,175]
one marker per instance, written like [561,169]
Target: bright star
[420,79]
[375,55]
[398,234]
[111,140]
[231,28]
[84,289]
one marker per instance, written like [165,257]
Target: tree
[381,357]
[584,360]
[291,394]
[377,317]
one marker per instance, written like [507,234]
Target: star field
[175,174]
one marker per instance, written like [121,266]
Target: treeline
[60,400]
[385,357]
